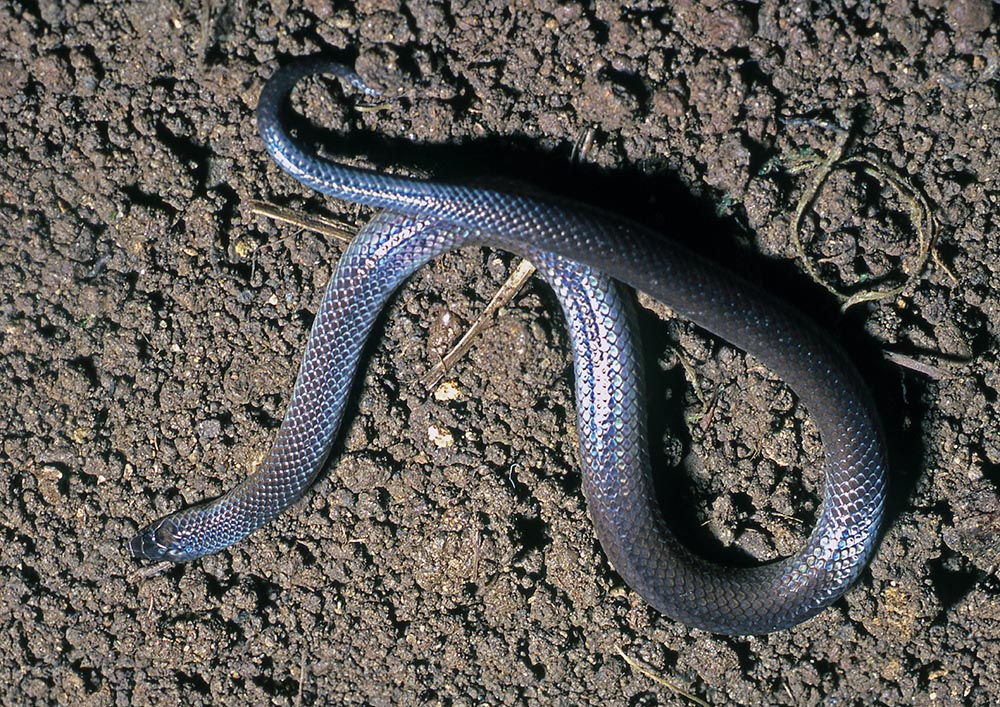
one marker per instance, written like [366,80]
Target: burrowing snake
[580,251]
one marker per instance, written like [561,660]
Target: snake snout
[152,542]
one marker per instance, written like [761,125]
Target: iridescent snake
[579,250]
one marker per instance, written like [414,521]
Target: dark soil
[152,327]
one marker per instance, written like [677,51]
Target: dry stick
[151,571]
[648,672]
[302,680]
[318,224]
[929,370]
[522,273]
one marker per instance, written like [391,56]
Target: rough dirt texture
[151,330]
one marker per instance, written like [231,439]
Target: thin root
[919,209]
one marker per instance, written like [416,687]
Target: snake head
[159,541]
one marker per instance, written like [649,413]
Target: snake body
[580,251]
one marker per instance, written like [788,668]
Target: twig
[318,224]
[648,672]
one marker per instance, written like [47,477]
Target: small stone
[440,438]
[209,429]
[447,391]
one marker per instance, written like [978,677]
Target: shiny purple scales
[578,250]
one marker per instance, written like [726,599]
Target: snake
[589,257]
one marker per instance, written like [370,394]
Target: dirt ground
[152,327]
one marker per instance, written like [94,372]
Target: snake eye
[165,535]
